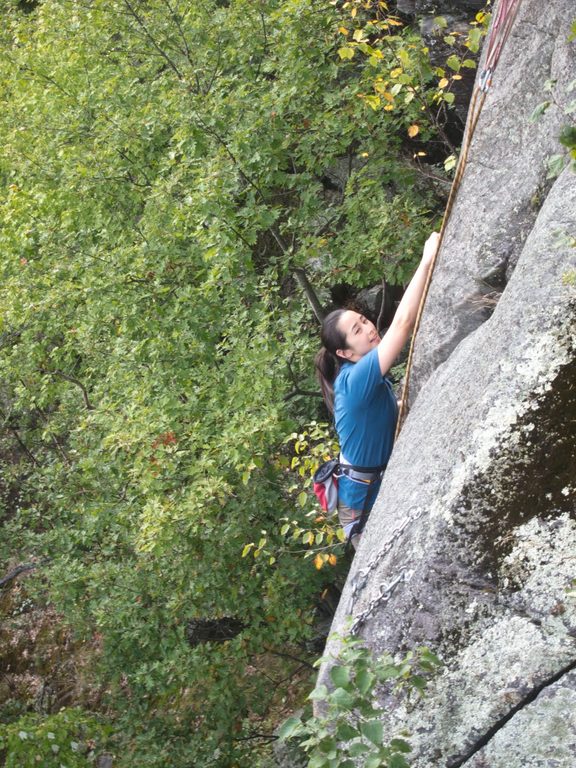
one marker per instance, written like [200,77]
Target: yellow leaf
[396,72]
[372,101]
[353,13]
[318,562]
[389,107]
[346,52]
[343,30]
[414,130]
[394,22]
[332,559]
[456,77]
[443,83]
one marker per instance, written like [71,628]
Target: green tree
[164,187]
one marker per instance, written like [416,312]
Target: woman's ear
[344,353]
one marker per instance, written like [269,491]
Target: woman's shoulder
[364,371]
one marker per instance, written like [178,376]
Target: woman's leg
[348,517]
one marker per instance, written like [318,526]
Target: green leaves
[373,730]
[70,736]
[453,62]
[346,52]
[555,165]
[340,676]
[539,110]
[163,178]
[290,728]
[351,733]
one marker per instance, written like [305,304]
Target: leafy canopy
[167,169]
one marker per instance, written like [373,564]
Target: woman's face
[361,335]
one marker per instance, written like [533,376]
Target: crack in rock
[488,736]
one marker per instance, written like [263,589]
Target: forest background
[182,187]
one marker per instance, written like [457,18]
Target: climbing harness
[369,477]
[325,483]
[501,26]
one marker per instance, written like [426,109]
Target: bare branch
[11,575]
[382,307]
[267,736]
[72,380]
[297,390]
[148,34]
[310,293]
[19,440]
[284,655]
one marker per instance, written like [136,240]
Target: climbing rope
[501,26]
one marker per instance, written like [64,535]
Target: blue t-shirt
[365,414]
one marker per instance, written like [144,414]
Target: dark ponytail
[327,361]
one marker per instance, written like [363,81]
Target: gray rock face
[548,728]
[471,547]
[505,182]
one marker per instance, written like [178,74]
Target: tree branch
[19,440]
[297,390]
[146,31]
[382,307]
[16,572]
[267,736]
[284,655]
[310,293]
[72,380]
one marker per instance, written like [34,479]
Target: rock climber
[352,367]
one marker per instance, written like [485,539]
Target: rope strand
[505,16]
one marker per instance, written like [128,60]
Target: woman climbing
[352,366]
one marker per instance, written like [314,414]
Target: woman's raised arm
[399,332]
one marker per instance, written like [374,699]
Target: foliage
[350,731]
[400,76]
[69,738]
[567,135]
[167,168]
[321,535]
[312,446]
